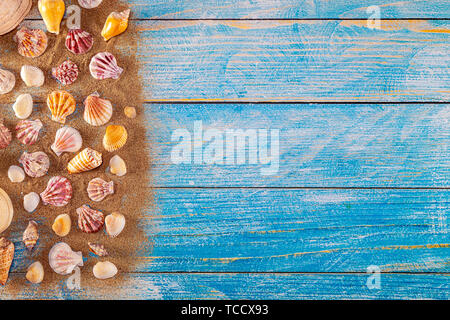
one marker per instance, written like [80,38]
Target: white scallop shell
[67,139]
[35,164]
[7,81]
[63,259]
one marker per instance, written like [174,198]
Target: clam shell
[115,137]
[66,73]
[62,225]
[104,270]
[31,201]
[86,160]
[97,111]
[98,189]
[97,249]
[35,164]
[6,258]
[63,259]
[89,4]
[130,112]
[16,174]
[27,131]
[61,104]
[79,41]
[52,12]
[31,43]
[32,76]
[114,223]
[6,211]
[35,273]
[58,192]
[23,106]
[117,166]
[104,66]
[12,14]
[67,139]
[90,220]
[30,235]
[115,24]
[7,81]
[5,135]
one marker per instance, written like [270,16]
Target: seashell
[30,235]
[98,189]
[12,14]
[35,164]
[130,112]
[7,81]
[90,220]
[104,66]
[52,12]
[32,76]
[35,273]
[61,104]
[16,174]
[116,23]
[115,137]
[89,4]
[104,270]
[63,259]
[114,223]
[67,139]
[97,249]
[6,210]
[23,106]
[58,192]
[31,201]
[117,166]
[79,41]
[27,131]
[66,73]
[86,160]
[97,111]
[62,224]
[5,135]
[6,258]
[31,43]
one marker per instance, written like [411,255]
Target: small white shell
[104,270]
[89,4]
[16,174]
[117,166]
[23,106]
[32,76]
[114,223]
[31,201]
[35,273]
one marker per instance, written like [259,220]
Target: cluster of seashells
[61,104]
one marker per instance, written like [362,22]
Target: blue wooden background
[364,170]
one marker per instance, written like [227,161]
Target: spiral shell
[86,160]
[58,192]
[5,135]
[67,139]
[7,81]
[61,104]
[104,66]
[31,235]
[66,73]
[31,43]
[115,24]
[97,111]
[89,4]
[115,137]
[79,41]
[98,189]
[27,131]
[90,220]
[6,258]
[52,12]
[63,259]
[35,164]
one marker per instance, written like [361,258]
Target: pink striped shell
[90,220]
[35,164]
[79,41]
[66,73]
[104,66]
[5,135]
[58,192]
[27,131]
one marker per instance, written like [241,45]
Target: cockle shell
[67,139]
[32,76]
[52,12]
[12,14]
[16,174]
[104,270]
[35,273]
[130,112]
[5,135]
[7,81]
[27,131]
[104,66]
[31,43]
[6,258]
[62,224]
[97,111]
[31,201]
[66,73]
[97,249]
[79,41]
[115,137]
[30,235]
[86,160]
[63,259]
[98,189]
[116,23]
[58,192]
[23,106]
[114,223]
[35,164]
[117,166]
[6,211]
[90,220]
[89,4]
[61,104]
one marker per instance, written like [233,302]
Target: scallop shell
[79,41]
[58,192]
[86,160]
[97,249]
[63,259]
[27,131]
[98,189]
[7,81]
[89,4]
[12,14]
[90,220]
[16,174]
[115,24]
[62,224]
[114,223]
[35,164]
[6,211]
[104,66]
[115,137]
[97,111]
[23,106]
[31,43]
[104,270]
[30,235]
[66,73]
[31,201]
[61,104]
[67,139]
[52,12]
[32,76]
[35,272]
[5,135]
[6,258]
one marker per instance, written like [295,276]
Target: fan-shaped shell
[27,131]
[61,104]
[104,66]
[79,41]
[115,137]
[5,135]
[7,81]
[115,24]
[12,14]
[6,258]
[98,189]
[58,192]
[66,73]
[90,220]
[31,43]
[86,160]
[30,235]
[63,259]
[89,4]
[97,249]
[67,139]
[6,211]
[97,111]
[35,164]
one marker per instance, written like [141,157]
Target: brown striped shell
[31,235]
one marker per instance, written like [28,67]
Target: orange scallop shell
[61,104]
